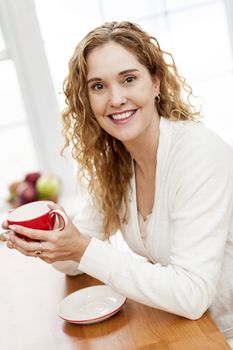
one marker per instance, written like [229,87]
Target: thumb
[5,225]
[53,205]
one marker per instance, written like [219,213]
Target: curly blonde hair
[100,156]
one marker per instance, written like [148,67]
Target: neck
[144,149]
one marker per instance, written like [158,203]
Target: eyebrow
[126,71]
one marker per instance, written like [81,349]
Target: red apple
[26,192]
[32,177]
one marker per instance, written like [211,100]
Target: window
[194,31]
[17,152]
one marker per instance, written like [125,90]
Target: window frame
[25,47]
[229,16]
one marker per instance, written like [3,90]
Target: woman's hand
[4,235]
[67,244]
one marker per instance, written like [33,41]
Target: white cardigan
[188,253]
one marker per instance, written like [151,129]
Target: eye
[97,86]
[129,79]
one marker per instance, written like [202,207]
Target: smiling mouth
[122,116]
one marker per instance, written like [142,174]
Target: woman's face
[121,92]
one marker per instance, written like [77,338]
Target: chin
[124,133]
[126,138]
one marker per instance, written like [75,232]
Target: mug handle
[61,216]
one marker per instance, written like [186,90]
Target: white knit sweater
[187,255]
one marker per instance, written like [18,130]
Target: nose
[117,98]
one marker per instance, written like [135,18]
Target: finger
[33,252]
[3,237]
[39,235]
[5,225]
[28,248]
[56,206]
[19,249]
[10,245]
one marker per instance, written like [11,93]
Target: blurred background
[38,37]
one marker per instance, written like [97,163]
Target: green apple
[48,187]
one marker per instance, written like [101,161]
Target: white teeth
[122,115]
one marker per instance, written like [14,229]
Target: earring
[157,98]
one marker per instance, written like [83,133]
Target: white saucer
[90,305]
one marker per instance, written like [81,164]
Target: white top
[188,251]
[142,224]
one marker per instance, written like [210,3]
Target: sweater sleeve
[199,214]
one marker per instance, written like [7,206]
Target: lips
[122,117]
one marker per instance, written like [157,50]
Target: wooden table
[30,292]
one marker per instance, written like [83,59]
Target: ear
[156,81]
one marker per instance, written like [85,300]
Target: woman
[153,171]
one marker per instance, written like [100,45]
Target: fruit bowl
[34,186]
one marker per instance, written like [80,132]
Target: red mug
[36,215]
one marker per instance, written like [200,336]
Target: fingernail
[12,227]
